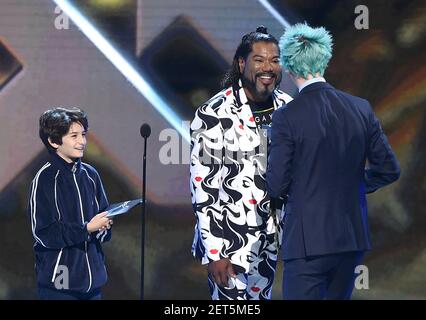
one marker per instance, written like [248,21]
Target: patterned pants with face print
[254,285]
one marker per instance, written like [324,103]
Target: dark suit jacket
[319,146]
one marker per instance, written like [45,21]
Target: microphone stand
[145,131]
[143,219]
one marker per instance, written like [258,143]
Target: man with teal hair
[319,146]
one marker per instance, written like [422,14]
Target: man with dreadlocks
[237,233]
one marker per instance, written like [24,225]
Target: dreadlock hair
[232,76]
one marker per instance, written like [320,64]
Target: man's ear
[241,64]
[54,145]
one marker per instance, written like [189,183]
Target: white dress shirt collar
[313,80]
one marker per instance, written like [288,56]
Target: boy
[67,209]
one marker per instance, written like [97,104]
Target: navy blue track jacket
[64,197]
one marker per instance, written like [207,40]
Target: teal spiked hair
[305,50]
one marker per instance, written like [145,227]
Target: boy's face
[73,143]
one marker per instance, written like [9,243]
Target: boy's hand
[99,222]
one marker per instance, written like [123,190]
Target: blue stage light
[123,66]
[274,13]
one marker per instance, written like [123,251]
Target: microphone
[145,131]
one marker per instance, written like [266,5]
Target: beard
[258,90]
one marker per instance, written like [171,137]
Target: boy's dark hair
[56,122]
[246,46]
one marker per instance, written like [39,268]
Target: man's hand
[99,222]
[220,270]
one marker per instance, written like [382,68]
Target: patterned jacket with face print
[227,181]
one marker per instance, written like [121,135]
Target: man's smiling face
[261,71]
